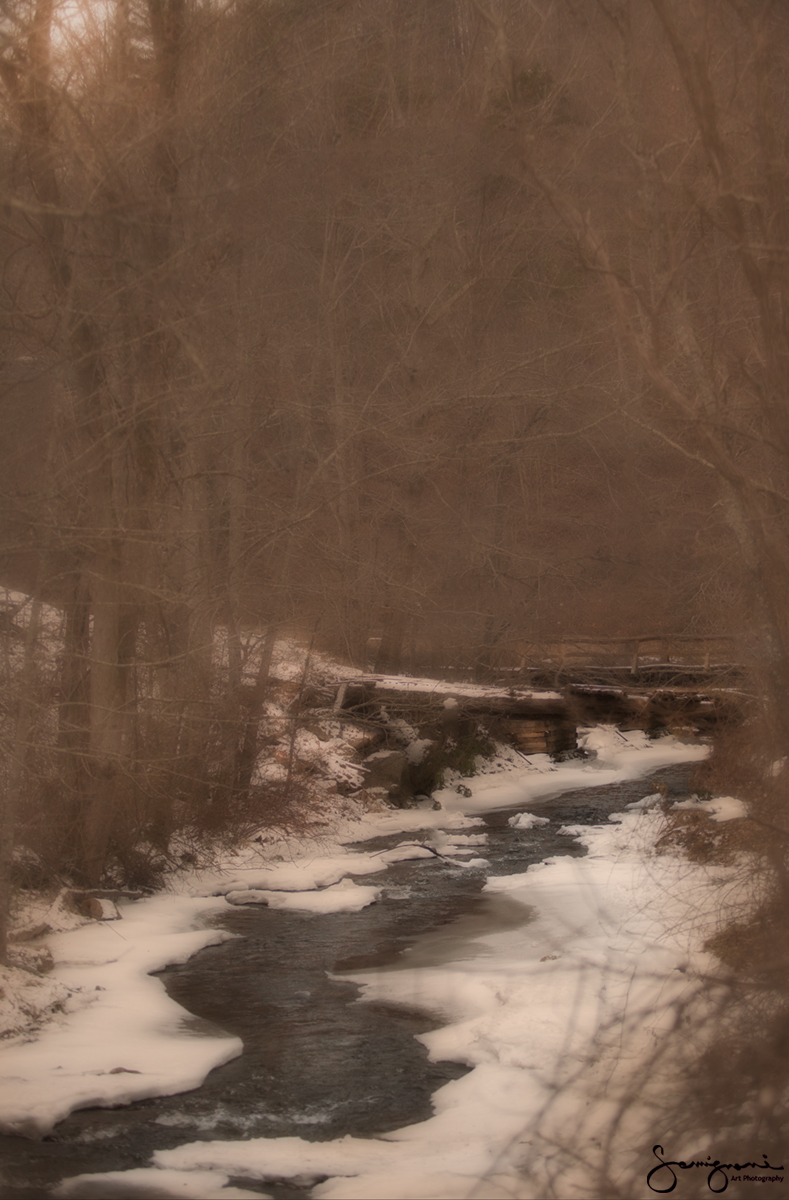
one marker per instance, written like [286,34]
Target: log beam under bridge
[541,720]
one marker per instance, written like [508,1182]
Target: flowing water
[316,1063]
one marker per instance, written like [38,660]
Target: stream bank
[317,1065]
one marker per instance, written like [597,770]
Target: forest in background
[453,324]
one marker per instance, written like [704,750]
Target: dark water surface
[316,1064]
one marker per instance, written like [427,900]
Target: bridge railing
[698,650]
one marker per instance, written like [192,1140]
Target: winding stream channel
[316,1064]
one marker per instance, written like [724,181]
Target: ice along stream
[316,1063]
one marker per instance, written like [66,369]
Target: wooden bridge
[681,698]
[656,655]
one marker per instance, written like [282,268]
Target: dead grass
[740,1080]
[703,840]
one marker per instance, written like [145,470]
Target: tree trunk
[15,772]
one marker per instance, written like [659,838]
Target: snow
[614,756]
[449,844]
[316,873]
[454,1156]
[416,750]
[345,896]
[647,802]
[197,1185]
[589,979]
[585,982]
[126,1039]
[547,1011]
[722,808]
[406,851]
[402,820]
[297,877]
[440,687]
[28,1000]
[121,1038]
[527,820]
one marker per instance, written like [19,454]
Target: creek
[317,1064]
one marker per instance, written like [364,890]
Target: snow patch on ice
[456,843]
[345,896]
[647,802]
[163,1184]
[527,820]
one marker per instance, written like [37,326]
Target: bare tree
[324,354]
[693,265]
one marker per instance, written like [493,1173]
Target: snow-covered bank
[613,757]
[124,1039]
[576,998]
[103,1032]
[579,994]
